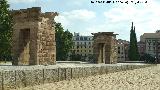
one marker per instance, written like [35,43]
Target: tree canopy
[64,42]
[5,30]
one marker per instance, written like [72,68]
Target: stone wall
[33,37]
[20,77]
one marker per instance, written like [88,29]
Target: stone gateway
[105,47]
[33,37]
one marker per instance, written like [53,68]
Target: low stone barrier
[23,77]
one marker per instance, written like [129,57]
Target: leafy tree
[75,57]
[148,58]
[63,42]
[133,49]
[91,58]
[5,30]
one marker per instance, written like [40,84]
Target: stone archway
[33,37]
[105,47]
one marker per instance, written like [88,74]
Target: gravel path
[139,79]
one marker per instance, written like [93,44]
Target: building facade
[141,48]
[83,45]
[151,41]
[122,50]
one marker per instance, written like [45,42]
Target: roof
[150,35]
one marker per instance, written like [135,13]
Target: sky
[85,17]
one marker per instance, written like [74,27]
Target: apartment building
[141,48]
[151,40]
[122,50]
[83,45]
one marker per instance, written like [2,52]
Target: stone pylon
[33,37]
[105,47]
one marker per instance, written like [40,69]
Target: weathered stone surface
[81,72]
[14,79]
[68,73]
[102,70]
[75,72]
[105,47]
[9,80]
[94,70]
[1,81]
[33,37]
[62,73]
[110,69]
[20,79]
[29,77]
[50,75]
[123,67]
[85,71]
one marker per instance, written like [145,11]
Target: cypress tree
[133,48]
[136,47]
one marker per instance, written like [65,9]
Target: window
[85,38]
[118,51]
[118,47]
[85,50]
[77,38]
[153,43]
[149,43]
[77,43]
[77,50]
[149,47]
[84,43]
[81,38]
[89,50]
[89,43]
[154,48]
[77,47]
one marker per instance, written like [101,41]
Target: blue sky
[85,17]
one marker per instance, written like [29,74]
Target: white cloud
[61,19]
[82,14]
[68,18]
[145,17]
[21,1]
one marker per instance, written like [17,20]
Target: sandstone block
[62,73]
[68,73]
[9,80]
[1,81]
[51,75]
